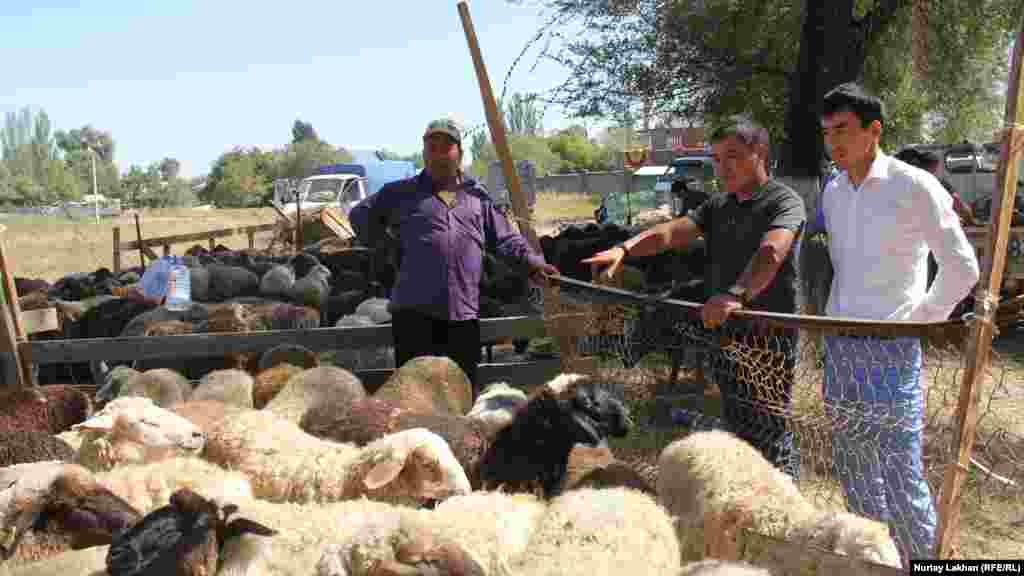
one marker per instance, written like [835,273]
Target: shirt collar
[879,170]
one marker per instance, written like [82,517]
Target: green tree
[416,157]
[521,148]
[241,181]
[301,159]
[302,131]
[703,60]
[522,116]
[578,153]
[169,168]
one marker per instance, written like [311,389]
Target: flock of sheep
[294,470]
[274,464]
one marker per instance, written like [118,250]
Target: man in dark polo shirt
[445,221]
[751,234]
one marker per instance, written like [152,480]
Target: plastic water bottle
[179,286]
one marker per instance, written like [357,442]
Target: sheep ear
[385,471]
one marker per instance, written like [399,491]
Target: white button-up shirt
[879,236]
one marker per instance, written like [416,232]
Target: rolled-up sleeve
[504,241]
[958,270]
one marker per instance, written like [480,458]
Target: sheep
[530,453]
[312,289]
[113,381]
[362,358]
[229,386]
[148,486]
[24,446]
[376,309]
[428,384]
[162,385]
[227,282]
[51,507]
[716,484]
[722,568]
[284,463]
[89,561]
[409,548]
[134,429]
[597,467]
[199,283]
[270,381]
[186,537]
[496,406]
[481,531]
[320,385]
[51,409]
[206,413]
[594,532]
[288,354]
[277,282]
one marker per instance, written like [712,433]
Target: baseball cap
[446,125]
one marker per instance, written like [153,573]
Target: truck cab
[341,191]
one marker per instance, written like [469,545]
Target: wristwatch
[740,293]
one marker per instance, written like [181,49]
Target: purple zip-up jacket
[442,248]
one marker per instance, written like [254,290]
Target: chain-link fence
[861,414]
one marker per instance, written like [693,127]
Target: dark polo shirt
[733,231]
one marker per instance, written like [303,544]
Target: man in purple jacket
[445,221]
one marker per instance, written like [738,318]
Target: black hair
[853,98]
[744,129]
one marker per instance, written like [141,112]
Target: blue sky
[192,79]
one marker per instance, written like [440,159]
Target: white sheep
[482,530]
[87,562]
[134,429]
[589,532]
[716,484]
[149,486]
[283,463]
[376,309]
[232,386]
[497,405]
[313,387]
[722,568]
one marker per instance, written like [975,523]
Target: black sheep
[532,451]
[184,538]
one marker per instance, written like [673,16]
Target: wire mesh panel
[842,406]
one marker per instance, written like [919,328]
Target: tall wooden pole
[497,126]
[980,339]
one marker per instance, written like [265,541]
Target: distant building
[665,143]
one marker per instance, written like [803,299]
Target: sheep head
[136,424]
[63,497]
[591,410]
[857,537]
[415,462]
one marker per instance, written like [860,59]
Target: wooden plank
[117,250]
[198,236]
[206,345]
[252,239]
[497,127]
[979,341]
[515,373]
[14,374]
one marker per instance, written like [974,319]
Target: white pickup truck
[340,191]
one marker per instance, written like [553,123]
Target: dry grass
[50,247]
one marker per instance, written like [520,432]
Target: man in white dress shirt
[883,216]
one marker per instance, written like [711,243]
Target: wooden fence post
[979,340]
[117,250]
[14,332]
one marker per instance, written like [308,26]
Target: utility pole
[95,193]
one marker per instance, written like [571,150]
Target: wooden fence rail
[167,241]
[316,339]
